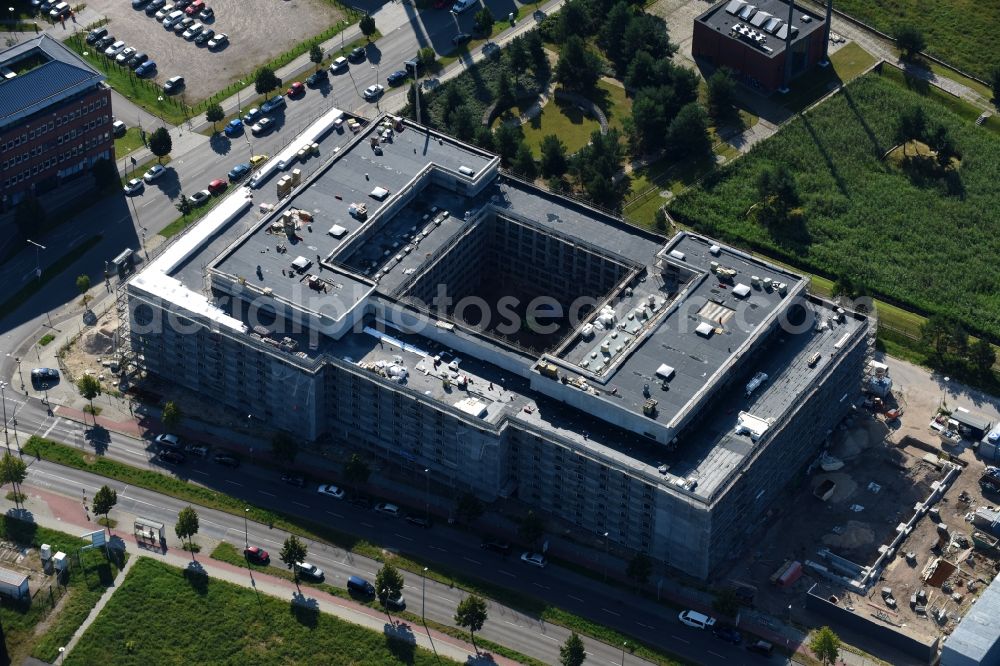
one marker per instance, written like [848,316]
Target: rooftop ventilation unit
[704,329]
[747,12]
[759,19]
[735,6]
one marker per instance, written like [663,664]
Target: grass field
[846,64]
[161,614]
[563,119]
[960,32]
[912,244]
[35,629]
[128,142]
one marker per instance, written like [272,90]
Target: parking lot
[258,31]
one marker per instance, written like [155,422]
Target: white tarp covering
[741,290]
[473,407]
[665,372]
[704,330]
[337,231]
[379,193]
[748,424]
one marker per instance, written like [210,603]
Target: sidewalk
[62,514]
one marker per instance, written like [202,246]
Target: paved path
[65,516]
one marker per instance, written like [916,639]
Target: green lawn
[911,244]
[564,120]
[165,615]
[960,32]
[615,104]
[846,64]
[125,144]
[34,629]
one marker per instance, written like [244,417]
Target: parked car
[534,559]
[97,33]
[194,7]
[234,127]
[145,68]
[338,64]
[226,460]
[296,480]
[171,457]
[461,38]
[358,54]
[169,441]
[218,41]
[217,186]
[695,619]
[193,31]
[139,4]
[419,521]
[125,55]
[310,571]
[42,379]
[463,5]
[397,602]
[207,14]
[296,89]
[317,78]
[200,197]
[373,92]
[262,127]
[104,42]
[199,450]
[257,555]
[359,586]
[257,160]
[388,509]
[761,647]
[59,11]
[118,128]
[331,491]
[173,18]
[204,36]
[251,116]
[155,171]
[273,104]
[173,84]
[181,26]
[155,6]
[395,78]
[360,501]
[728,634]
[136,60]
[115,49]
[134,186]
[238,172]
[496,546]
[163,12]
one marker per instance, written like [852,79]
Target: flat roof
[766,18]
[976,639]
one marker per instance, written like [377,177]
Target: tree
[388,585]
[995,84]
[553,161]
[578,67]
[687,135]
[596,166]
[89,387]
[911,125]
[13,471]
[356,470]
[507,138]
[721,94]
[266,81]
[484,21]
[825,644]
[532,528]
[172,415]
[611,37]
[471,614]
[367,26]
[524,163]
[639,568]
[469,508]
[982,356]
[572,652]
[536,52]
[426,57]
[83,285]
[284,447]
[160,143]
[105,500]
[293,552]
[778,195]
[910,40]
[214,114]
[184,205]
[505,92]
[316,55]
[518,58]
[726,602]
[105,174]
[187,526]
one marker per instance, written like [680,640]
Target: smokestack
[826,33]
[788,49]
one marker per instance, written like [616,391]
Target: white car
[155,171]
[173,18]
[168,440]
[388,509]
[193,31]
[309,570]
[331,490]
[115,49]
[134,186]
[534,559]
[372,93]
[220,39]
[695,619]
[338,64]
[124,56]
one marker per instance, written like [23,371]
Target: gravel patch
[258,31]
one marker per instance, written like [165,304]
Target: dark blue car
[145,68]
[234,128]
[238,171]
[396,77]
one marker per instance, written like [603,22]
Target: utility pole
[3,399]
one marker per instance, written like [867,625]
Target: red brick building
[55,119]
[750,37]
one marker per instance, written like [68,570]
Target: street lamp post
[944,394]
[246,530]
[427,494]
[606,557]
[38,265]
[17,359]
[3,399]
[423,596]
[377,99]
[624,645]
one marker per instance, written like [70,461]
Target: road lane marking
[645,625]
[335,515]
[367,525]
[513,624]
[51,427]
[306,506]
[469,559]
[264,492]
[235,483]
[403,537]
[200,472]
[549,637]
[544,587]
[678,638]
[575,598]
[610,611]
[716,654]
[443,550]
[506,573]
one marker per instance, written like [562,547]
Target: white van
[695,619]
[462,5]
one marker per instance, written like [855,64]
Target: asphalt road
[654,624]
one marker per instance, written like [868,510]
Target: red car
[217,186]
[256,554]
[296,89]
[195,7]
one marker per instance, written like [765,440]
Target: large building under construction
[766,42]
[403,296]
